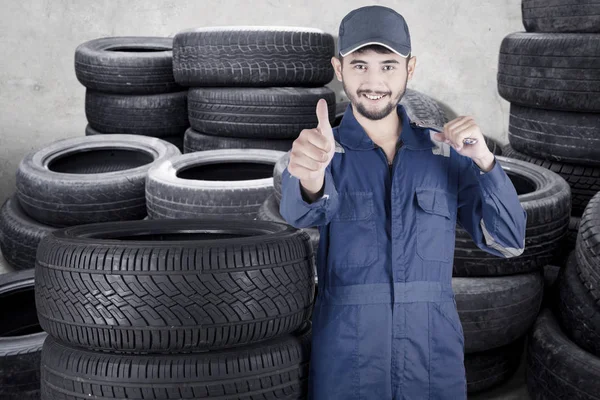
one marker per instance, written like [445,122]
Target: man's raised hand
[312,151]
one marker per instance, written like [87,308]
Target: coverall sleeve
[300,214]
[490,210]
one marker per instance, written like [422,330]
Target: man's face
[374,83]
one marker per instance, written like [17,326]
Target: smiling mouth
[374,98]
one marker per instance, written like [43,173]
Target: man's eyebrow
[357,61]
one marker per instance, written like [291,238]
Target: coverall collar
[353,135]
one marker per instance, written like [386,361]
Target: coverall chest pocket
[352,231]
[435,224]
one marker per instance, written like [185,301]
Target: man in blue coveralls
[386,194]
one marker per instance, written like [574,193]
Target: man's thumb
[323,116]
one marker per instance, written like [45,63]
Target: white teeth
[373,97]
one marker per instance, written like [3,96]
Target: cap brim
[345,52]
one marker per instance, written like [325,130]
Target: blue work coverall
[385,323]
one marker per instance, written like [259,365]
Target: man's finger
[323,115]
[319,141]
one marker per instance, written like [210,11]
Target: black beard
[391,106]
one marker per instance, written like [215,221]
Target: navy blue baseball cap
[374,25]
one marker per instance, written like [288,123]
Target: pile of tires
[77,181]
[130,88]
[175,309]
[252,87]
[564,347]
[551,76]
[499,298]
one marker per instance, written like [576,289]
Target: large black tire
[259,113]
[21,338]
[196,141]
[276,369]
[561,16]
[546,197]
[566,137]
[583,180]
[556,367]
[176,141]
[126,65]
[173,285]
[556,71]
[496,311]
[578,315]
[89,179]
[19,235]
[226,183]
[158,115]
[587,248]
[490,368]
[253,56]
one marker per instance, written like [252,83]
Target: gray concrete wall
[456,43]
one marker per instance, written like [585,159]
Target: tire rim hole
[132,49]
[233,171]
[99,161]
[18,314]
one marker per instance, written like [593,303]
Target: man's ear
[412,63]
[337,67]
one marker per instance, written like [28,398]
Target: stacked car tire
[175,309]
[130,88]
[231,184]
[550,74]
[77,181]
[252,87]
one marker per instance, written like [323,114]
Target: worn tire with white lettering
[546,197]
[225,183]
[89,179]
[262,56]
[173,285]
[558,16]
[126,65]
[498,310]
[21,337]
[556,367]
[274,369]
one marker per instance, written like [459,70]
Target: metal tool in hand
[441,129]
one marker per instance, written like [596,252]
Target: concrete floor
[513,389]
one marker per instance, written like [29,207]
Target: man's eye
[359,66]
[388,66]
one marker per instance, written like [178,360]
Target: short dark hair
[377,48]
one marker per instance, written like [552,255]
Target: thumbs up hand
[312,152]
